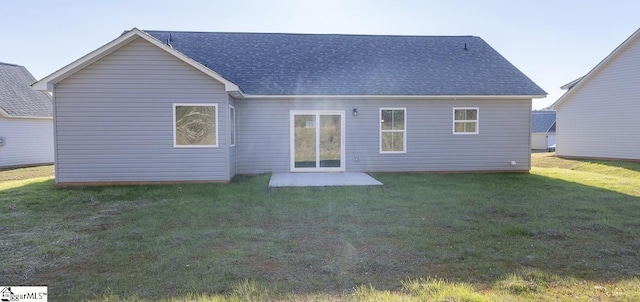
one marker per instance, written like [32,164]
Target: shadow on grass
[171,241]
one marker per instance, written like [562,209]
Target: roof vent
[169,41]
[465,46]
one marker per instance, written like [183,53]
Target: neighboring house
[543,129]
[26,127]
[597,117]
[160,106]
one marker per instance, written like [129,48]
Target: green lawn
[570,230]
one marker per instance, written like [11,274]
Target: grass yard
[570,230]
[27,174]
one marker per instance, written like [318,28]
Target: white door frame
[317,113]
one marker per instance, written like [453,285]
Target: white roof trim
[28,117]
[363,96]
[46,84]
[581,82]
[552,124]
[5,114]
[571,84]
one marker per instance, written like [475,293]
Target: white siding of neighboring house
[27,141]
[264,137]
[551,139]
[600,118]
[114,120]
[542,141]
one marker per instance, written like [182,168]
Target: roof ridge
[308,34]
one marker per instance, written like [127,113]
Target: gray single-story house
[543,129]
[598,114]
[164,106]
[26,126]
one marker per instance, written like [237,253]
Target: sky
[552,41]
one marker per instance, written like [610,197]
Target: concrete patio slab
[322,180]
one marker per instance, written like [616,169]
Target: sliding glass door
[317,141]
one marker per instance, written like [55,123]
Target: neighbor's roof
[17,99]
[571,84]
[543,121]
[330,64]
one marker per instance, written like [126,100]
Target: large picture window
[393,130]
[195,125]
[465,121]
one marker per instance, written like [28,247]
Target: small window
[393,130]
[232,126]
[465,120]
[195,125]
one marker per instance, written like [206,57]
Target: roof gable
[46,84]
[17,99]
[543,121]
[312,64]
[577,84]
[261,64]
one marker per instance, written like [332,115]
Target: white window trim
[233,129]
[477,121]
[317,113]
[175,145]
[404,132]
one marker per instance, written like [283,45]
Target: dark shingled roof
[543,121]
[313,64]
[17,98]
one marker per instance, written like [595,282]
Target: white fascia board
[596,69]
[549,129]
[29,117]
[571,84]
[554,106]
[433,97]
[4,114]
[228,85]
[46,84]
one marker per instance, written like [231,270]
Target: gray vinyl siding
[27,141]
[598,120]
[114,120]
[264,143]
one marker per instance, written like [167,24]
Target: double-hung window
[465,120]
[195,125]
[393,130]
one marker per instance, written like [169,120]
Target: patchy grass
[567,231]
